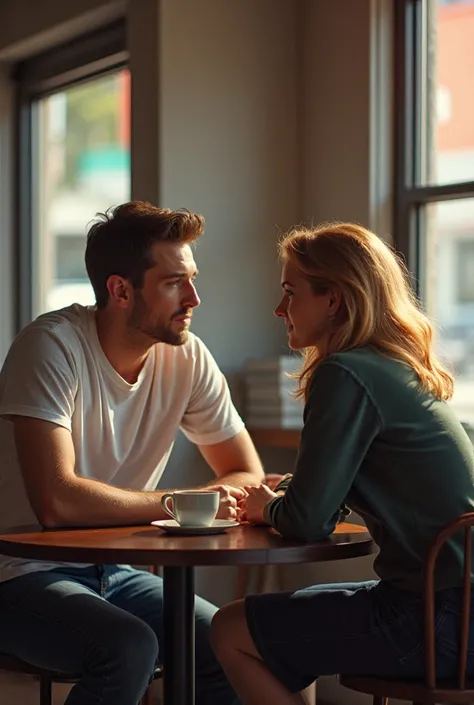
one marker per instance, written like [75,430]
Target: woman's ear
[334,302]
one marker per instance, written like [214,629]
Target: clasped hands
[247,503]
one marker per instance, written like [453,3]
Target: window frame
[410,199]
[79,60]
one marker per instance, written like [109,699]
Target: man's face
[163,307]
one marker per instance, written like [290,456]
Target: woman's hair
[378,307]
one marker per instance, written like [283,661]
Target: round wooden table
[147,545]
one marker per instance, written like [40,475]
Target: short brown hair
[119,242]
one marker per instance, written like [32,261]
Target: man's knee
[141,643]
[134,653]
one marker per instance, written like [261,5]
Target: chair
[431,690]
[47,678]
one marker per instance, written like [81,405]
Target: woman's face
[307,315]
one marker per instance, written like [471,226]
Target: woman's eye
[288,293]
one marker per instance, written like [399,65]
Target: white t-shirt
[123,433]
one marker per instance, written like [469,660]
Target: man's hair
[120,241]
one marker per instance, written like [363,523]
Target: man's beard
[159,332]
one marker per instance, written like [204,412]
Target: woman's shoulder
[360,359]
[375,371]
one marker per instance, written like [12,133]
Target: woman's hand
[256,501]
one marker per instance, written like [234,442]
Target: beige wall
[336,108]
[228,149]
[226,142]
[346,115]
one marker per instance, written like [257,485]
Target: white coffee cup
[192,508]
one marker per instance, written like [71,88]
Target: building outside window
[435,173]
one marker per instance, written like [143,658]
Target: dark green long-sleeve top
[375,441]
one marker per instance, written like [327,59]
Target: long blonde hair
[378,307]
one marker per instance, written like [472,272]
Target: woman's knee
[229,629]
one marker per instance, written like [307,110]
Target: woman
[378,437]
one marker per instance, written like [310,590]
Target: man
[91,399]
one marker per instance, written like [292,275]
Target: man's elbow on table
[49,514]
[55,511]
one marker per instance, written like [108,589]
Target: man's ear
[120,291]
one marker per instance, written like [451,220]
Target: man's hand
[256,501]
[229,500]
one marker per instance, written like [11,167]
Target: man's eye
[176,282]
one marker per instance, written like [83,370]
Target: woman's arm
[340,423]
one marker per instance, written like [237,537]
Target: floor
[19,690]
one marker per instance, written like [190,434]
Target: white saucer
[217,527]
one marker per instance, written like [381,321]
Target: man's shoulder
[61,323]
[56,333]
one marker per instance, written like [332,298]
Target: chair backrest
[466,521]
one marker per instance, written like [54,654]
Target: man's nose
[192,298]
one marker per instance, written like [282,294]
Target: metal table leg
[178,628]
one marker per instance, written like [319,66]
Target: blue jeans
[104,622]
[366,628]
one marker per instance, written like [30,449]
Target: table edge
[361,545]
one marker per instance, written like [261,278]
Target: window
[465,271]
[83,168]
[435,173]
[75,162]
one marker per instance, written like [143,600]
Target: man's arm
[59,497]
[234,461]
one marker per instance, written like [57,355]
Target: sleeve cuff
[283,485]
[267,510]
